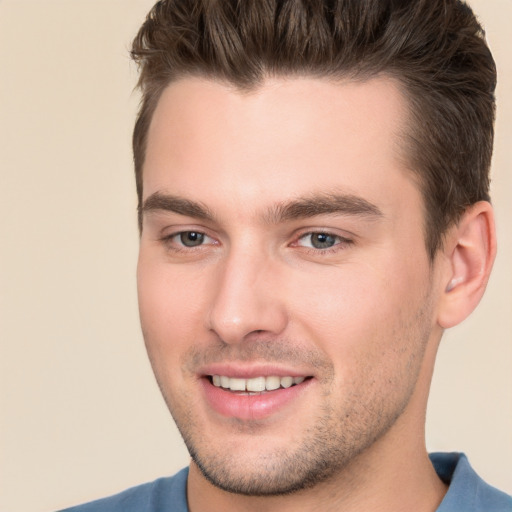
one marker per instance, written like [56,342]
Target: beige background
[81,416]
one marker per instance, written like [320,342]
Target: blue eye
[188,242]
[320,240]
[191,238]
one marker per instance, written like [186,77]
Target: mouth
[253,397]
[254,385]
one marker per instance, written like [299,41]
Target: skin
[361,319]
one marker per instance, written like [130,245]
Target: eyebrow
[175,204]
[324,204]
[304,207]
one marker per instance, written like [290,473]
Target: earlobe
[470,249]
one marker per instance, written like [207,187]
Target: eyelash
[172,244]
[340,242]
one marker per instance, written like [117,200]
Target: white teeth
[272,383]
[256,384]
[286,382]
[237,384]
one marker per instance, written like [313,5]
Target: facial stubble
[330,444]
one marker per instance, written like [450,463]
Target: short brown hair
[435,49]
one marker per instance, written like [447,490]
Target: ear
[469,252]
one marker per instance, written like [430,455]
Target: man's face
[282,247]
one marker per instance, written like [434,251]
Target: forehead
[287,138]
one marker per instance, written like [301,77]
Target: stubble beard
[328,446]
[321,456]
[327,449]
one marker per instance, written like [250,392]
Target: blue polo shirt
[467,492]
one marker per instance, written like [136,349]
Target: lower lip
[251,407]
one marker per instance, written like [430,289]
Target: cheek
[170,306]
[360,315]
[341,302]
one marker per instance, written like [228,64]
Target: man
[314,212]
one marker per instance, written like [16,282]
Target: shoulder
[163,494]
[467,491]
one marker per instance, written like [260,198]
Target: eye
[191,238]
[187,240]
[321,240]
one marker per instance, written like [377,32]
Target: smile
[251,396]
[255,384]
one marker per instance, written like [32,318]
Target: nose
[247,298]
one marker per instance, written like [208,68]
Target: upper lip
[249,371]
